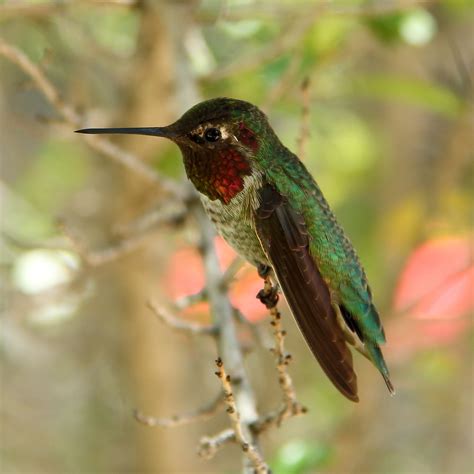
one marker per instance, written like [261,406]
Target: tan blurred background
[391,145]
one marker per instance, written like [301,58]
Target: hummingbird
[267,206]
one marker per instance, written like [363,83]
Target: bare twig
[286,81]
[209,445]
[200,414]
[256,329]
[228,344]
[173,213]
[464,71]
[231,271]
[226,280]
[290,406]
[247,446]
[49,244]
[71,116]
[170,215]
[179,324]
[189,300]
[305,116]
[95,258]
[44,85]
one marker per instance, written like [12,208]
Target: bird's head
[220,140]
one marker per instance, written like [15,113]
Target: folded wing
[284,237]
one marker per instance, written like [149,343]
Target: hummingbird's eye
[212,134]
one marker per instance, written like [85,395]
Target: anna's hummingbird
[268,207]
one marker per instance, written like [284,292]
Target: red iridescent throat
[220,175]
[227,171]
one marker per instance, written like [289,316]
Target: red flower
[434,294]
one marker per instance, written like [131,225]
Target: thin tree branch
[179,324]
[286,81]
[19,58]
[49,244]
[228,345]
[231,271]
[190,300]
[173,213]
[290,406]
[209,445]
[96,258]
[200,414]
[305,116]
[255,328]
[247,446]
[226,279]
[71,116]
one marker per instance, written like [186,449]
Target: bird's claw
[264,270]
[269,298]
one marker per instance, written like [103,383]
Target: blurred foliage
[51,172]
[390,119]
[434,97]
[299,457]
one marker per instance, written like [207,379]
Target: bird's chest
[234,221]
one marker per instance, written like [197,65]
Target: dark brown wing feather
[284,237]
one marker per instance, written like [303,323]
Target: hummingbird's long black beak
[166,132]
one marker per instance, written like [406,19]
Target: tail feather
[377,358]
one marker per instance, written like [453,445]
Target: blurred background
[390,117]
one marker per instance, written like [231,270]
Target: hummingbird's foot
[264,270]
[269,294]
[269,297]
